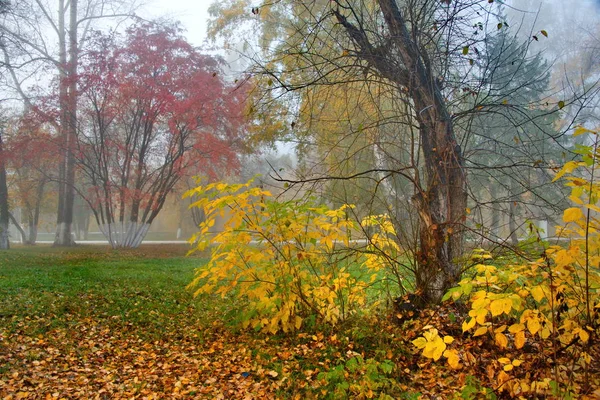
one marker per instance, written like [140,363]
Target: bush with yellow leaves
[290,260]
[551,303]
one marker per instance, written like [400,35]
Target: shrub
[553,301]
[290,260]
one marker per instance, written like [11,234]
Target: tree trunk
[68,123]
[512,215]
[124,235]
[441,201]
[35,221]
[441,207]
[4,239]
[33,227]
[18,226]
[495,222]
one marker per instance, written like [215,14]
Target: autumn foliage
[542,316]
[30,151]
[153,110]
[291,264]
[291,261]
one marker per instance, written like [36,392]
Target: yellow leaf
[468,325]
[508,304]
[520,339]
[538,293]
[503,377]
[504,360]
[501,340]
[583,335]
[566,169]
[545,333]
[576,199]
[500,329]
[480,316]
[508,367]
[436,349]
[453,359]
[448,339]
[580,130]
[496,307]
[516,328]
[482,330]
[533,325]
[516,363]
[572,214]
[563,258]
[593,207]
[419,342]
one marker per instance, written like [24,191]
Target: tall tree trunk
[68,116]
[34,219]
[63,120]
[32,234]
[441,201]
[81,219]
[441,206]
[4,242]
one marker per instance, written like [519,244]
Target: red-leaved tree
[31,156]
[152,109]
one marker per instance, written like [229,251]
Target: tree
[4,239]
[514,147]
[153,109]
[32,159]
[27,33]
[412,47]
[427,56]
[4,213]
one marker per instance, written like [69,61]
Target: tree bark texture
[440,201]
[68,124]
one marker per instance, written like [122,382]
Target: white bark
[124,234]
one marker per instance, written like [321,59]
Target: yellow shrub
[289,260]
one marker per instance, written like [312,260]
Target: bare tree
[38,37]
[4,212]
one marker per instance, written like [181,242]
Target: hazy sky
[193,15]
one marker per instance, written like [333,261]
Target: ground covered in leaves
[92,323]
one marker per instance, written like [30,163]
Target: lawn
[91,322]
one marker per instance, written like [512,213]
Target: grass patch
[43,287]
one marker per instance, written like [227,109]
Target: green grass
[42,287]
